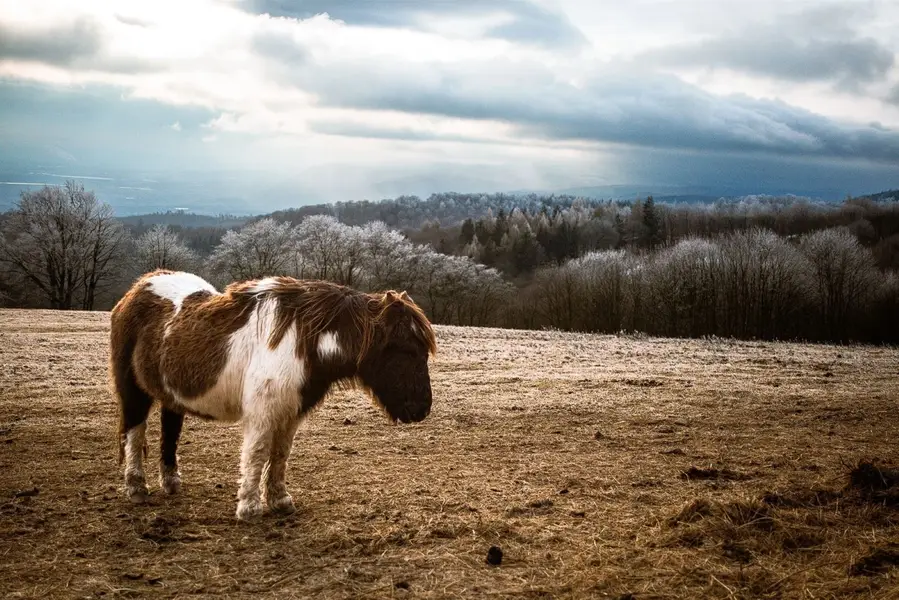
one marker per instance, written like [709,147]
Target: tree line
[751,284]
[61,248]
[519,241]
[761,267]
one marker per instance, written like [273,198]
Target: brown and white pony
[263,352]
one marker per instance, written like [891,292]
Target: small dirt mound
[535,507]
[749,513]
[876,484]
[801,498]
[741,529]
[692,512]
[700,474]
[867,477]
[877,561]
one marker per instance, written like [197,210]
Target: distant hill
[183,219]
[882,196]
[446,209]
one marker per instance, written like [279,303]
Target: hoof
[139,496]
[171,484]
[249,512]
[283,505]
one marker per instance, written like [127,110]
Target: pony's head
[394,366]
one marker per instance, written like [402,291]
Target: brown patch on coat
[196,348]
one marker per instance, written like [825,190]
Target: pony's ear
[388,303]
[405,296]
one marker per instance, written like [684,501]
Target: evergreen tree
[501,227]
[525,253]
[467,233]
[651,222]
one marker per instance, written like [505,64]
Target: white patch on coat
[135,481]
[177,286]
[264,285]
[256,382]
[328,346]
[134,447]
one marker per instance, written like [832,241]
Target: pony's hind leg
[170,430]
[135,407]
[274,474]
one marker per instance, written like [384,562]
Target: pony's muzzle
[416,414]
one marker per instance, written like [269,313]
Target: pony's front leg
[257,442]
[276,495]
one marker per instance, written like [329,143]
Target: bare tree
[684,286]
[261,249]
[845,277]
[330,250]
[65,243]
[604,298]
[162,248]
[764,285]
[389,260]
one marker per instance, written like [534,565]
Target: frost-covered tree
[162,248]
[764,285]
[683,287]
[264,248]
[388,259]
[331,250]
[844,279]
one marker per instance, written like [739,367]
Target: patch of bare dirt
[552,466]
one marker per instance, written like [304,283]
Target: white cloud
[176,126]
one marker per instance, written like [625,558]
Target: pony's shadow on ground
[164,519]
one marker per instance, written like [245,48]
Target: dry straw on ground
[600,466]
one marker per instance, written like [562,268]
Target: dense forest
[754,267]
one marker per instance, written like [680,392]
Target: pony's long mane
[315,306]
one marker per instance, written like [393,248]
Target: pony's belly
[222,402]
[213,405]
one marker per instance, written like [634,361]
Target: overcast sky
[363,97]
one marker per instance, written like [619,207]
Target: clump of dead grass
[875,483]
[741,527]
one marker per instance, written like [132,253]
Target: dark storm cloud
[779,55]
[78,45]
[61,45]
[386,133]
[642,109]
[821,43]
[531,24]
[893,96]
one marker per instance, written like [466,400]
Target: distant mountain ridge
[445,209]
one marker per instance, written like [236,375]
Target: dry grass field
[602,466]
